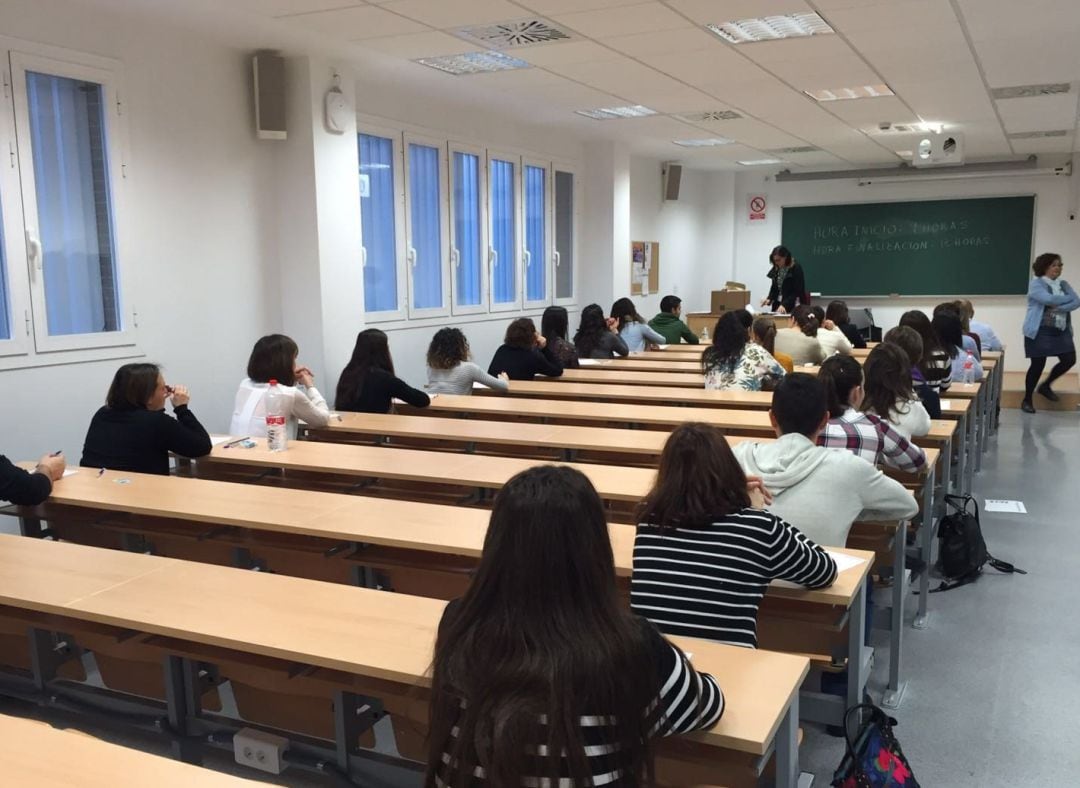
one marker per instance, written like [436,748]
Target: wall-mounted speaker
[672,173]
[269,80]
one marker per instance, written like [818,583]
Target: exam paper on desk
[843,563]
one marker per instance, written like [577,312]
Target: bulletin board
[644,267]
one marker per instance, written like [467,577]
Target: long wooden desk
[36,755]
[319,625]
[643,365]
[612,374]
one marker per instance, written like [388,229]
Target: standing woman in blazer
[1048,327]
[788,288]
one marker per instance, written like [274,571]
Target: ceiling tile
[840,72]
[551,7]
[455,13]
[674,98]
[415,45]
[990,19]
[1044,145]
[1052,56]
[283,7]
[567,53]
[716,11]
[1042,113]
[801,49]
[708,67]
[620,77]
[626,20]
[862,112]
[660,42]
[916,15]
[752,132]
[356,23]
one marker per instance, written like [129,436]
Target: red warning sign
[757,206]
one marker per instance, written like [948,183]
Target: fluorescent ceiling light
[609,113]
[706,143]
[771,28]
[845,94]
[755,162]
[473,63]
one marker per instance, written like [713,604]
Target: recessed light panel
[846,94]
[770,28]
[1038,135]
[711,142]
[1031,91]
[756,162]
[473,63]
[610,113]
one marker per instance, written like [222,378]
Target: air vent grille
[899,128]
[1038,135]
[710,115]
[515,33]
[1031,91]
[799,149]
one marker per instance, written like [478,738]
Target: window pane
[378,223]
[535,233]
[70,155]
[5,316]
[467,220]
[503,232]
[564,234]
[425,226]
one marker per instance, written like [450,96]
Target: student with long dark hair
[951,333]
[788,283]
[800,339]
[890,393]
[274,357]
[450,369]
[703,555]
[908,340]
[837,312]
[632,326]
[541,676]
[132,432]
[868,436]
[763,332]
[554,327]
[598,337]
[936,364]
[524,353]
[733,362]
[967,341]
[368,383]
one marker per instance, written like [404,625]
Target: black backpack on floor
[962,550]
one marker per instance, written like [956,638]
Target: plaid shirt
[874,440]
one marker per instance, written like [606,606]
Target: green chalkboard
[934,247]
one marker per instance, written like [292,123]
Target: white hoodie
[823,491]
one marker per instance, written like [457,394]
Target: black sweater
[852,334]
[794,288]
[378,392]
[22,487]
[525,363]
[140,440]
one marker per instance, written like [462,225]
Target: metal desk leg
[972,446]
[961,455]
[980,403]
[894,693]
[945,464]
[926,549]
[786,747]
[856,668]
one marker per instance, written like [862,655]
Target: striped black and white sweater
[707,581]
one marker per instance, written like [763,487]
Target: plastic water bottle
[705,333]
[969,368]
[277,438]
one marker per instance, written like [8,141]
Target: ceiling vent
[1031,91]
[1038,135]
[898,128]
[799,149]
[705,117]
[515,33]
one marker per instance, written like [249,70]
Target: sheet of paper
[592,362]
[998,505]
[217,440]
[70,472]
[843,563]
[946,404]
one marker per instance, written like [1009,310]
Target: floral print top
[746,374]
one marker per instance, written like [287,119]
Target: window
[467,230]
[380,224]
[503,218]
[70,169]
[564,213]
[427,225]
[5,309]
[536,241]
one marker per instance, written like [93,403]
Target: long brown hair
[840,375]
[624,311]
[887,380]
[806,320]
[764,331]
[541,632]
[698,480]
[371,351]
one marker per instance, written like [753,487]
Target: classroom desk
[642,365]
[35,754]
[317,624]
[613,374]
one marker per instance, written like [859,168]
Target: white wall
[201,261]
[1055,198]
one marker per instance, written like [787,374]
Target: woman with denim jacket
[1048,327]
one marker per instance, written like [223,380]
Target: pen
[57,453]
[101,473]
[236,442]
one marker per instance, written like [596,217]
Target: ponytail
[840,375]
[806,320]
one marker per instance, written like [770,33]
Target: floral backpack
[874,759]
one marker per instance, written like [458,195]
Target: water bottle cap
[273,381]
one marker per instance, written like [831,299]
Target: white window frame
[443,310]
[398,163]
[572,300]
[18,282]
[482,166]
[514,305]
[109,79]
[549,237]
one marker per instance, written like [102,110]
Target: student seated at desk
[450,369]
[555,325]
[936,365]
[988,340]
[368,383]
[598,337]
[909,341]
[733,363]
[668,323]
[274,357]
[869,437]
[539,669]
[950,330]
[968,342]
[800,339]
[819,491]
[703,554]
[763,332]
[832,339]
[29,488]
[132,432]
[524,354]
[838,314]
[889,391]
[632,326]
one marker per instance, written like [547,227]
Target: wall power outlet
[259,750]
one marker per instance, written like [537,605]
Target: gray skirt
[1049,341]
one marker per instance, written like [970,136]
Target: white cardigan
[833,341]
[908,418]
[249,410]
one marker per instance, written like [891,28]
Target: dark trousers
[1065,363]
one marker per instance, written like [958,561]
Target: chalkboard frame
[966,198]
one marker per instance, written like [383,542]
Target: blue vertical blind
[467,217]
[536,232]
[75,223]
[425,226]
[564,234]
[5,310]
[503,232]
[378,222]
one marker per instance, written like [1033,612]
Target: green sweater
[672,329]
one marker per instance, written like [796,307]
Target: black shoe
[1048,392]
[1027,407]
